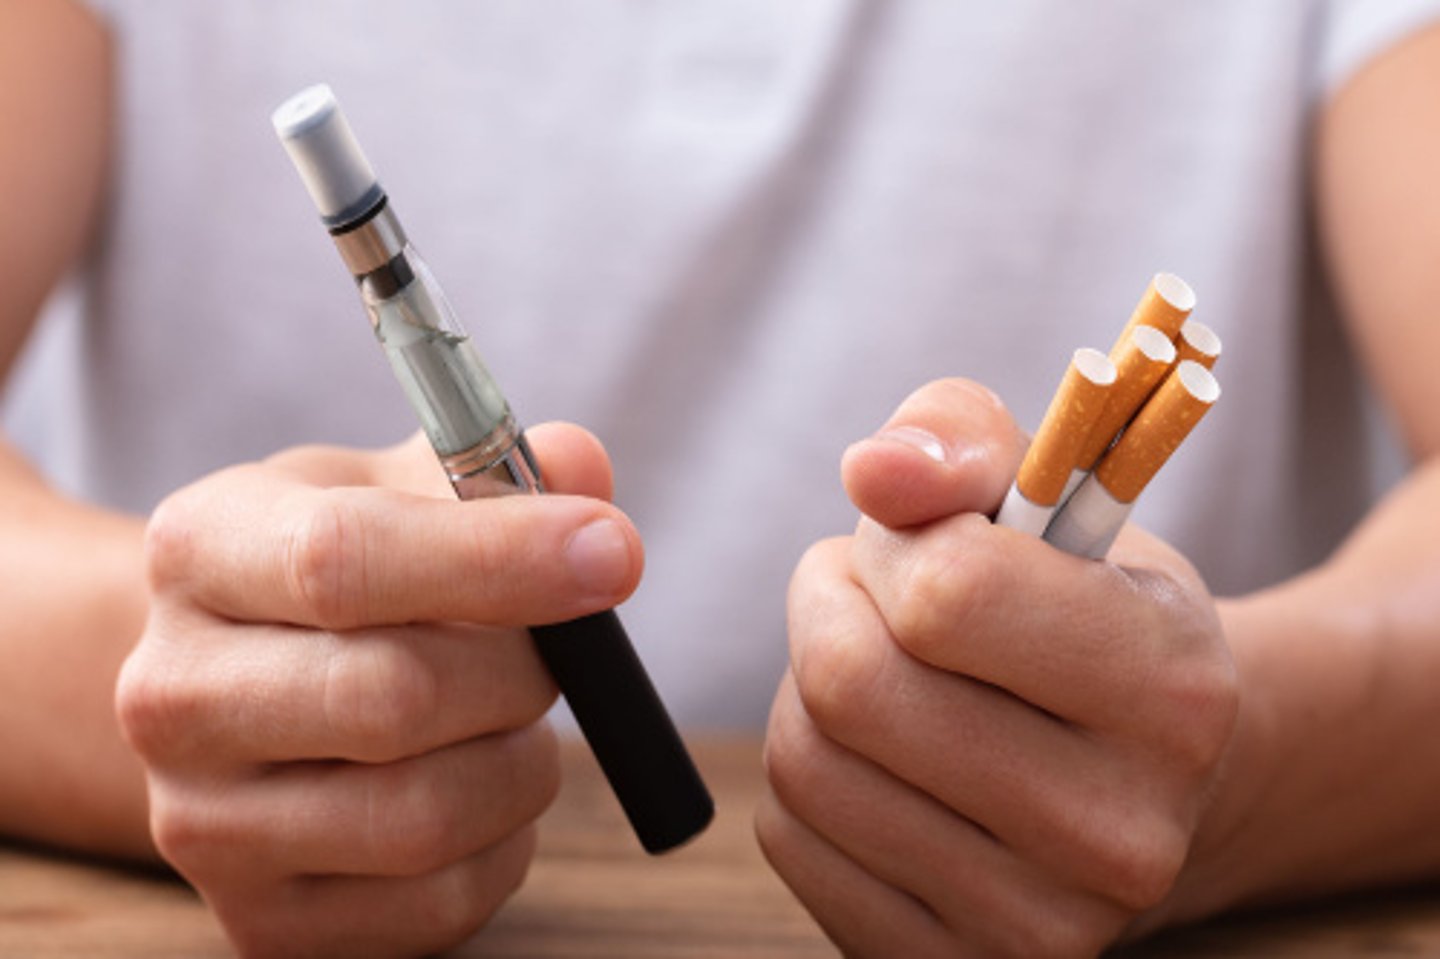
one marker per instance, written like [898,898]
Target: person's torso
[727,237]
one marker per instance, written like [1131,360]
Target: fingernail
[599,556]
[927,443]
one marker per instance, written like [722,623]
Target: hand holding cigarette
[339,712]
[985,745]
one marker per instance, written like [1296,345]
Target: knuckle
[918,618]
[835,679]
[153,705]
[802,579]
[775,833]
[524,767]
[515,688]
[411,826]
[379,697]
[789,754]
[137,707]
[1180,604]
[180,838]
[170,543]
[1197,687]
[519,852]
[254,939]
[419,822]
[274,926]
[534,764]
[532,707]
[809,598]
[1055,937]
[464,898]
[458,909]
[325,562]
[830,658]
[187,830]
[778,752]
[765,824]
[1136,862]
[1206,702]
[944,583]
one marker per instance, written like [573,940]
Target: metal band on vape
[373,248]
[371,243]
[501,463]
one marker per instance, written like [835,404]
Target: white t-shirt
[729,237]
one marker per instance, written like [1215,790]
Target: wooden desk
[592,893]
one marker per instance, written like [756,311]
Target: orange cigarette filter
[1144,357]
[1161,426]
[1165,305]
[1199,343]
[1077,403]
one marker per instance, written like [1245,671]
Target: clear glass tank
[459,404]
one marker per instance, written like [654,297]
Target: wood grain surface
[593,893]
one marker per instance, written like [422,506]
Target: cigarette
[1199,343]
[1165,305]
[1142,360]
[1092,518]
[1077,404]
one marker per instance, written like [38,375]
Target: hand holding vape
[484,453]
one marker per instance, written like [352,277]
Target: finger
[406,818]
[982,891]
[378,916]
[1054,793]
[951,447]
[572,460]
[282,694]
[861,914]
[254,546]
[410,465]
[1095,643]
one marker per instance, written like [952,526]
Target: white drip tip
[314,131]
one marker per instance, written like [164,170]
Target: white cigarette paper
[1090,521]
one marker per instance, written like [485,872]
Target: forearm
[74,597]
[1334,778]
[1333,781]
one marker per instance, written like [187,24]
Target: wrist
[1302,655]
[1222,869]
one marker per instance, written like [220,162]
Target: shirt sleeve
[1354,32]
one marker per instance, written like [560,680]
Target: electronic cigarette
[484,453]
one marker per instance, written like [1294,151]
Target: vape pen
[484,453]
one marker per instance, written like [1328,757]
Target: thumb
[951,447]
